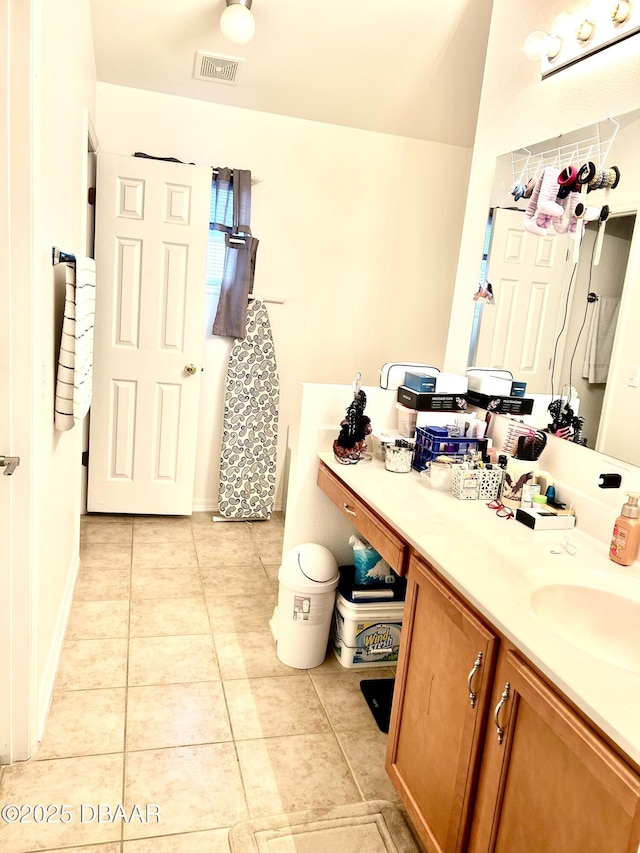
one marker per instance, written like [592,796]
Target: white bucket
[368,634]
[308,578]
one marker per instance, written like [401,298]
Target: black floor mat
[379,694]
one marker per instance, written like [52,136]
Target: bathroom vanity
[506,734]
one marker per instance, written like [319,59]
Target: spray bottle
[626,532]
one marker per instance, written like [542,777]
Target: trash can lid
[309,563]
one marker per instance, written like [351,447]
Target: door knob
[190,369]
[9,463]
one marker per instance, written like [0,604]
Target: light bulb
[620,11]
[564,25]
[594,11]
[237,24]
[535,45]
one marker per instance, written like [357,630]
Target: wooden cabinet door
[437,722]
[548,781]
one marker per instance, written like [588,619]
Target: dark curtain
[231,213]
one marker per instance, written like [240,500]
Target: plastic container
[368,634]
[435,441]
[406,420]
[626,532]
[301,622]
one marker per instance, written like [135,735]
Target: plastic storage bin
[301,621]
[367,634]
[436,441]
[406,420]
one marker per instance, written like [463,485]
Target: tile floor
[170,698]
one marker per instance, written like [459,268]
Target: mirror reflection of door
[527,273]
[539,326]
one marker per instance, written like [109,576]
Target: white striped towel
[75,363]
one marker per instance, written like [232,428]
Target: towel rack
[58,257]
[277,300]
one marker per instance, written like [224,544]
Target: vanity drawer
[374,529]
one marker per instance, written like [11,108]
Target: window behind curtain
[216,244]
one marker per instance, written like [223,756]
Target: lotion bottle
[626,532]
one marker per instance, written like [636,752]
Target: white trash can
[301,622]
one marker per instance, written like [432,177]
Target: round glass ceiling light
[237,23]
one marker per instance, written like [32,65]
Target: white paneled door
[527,273]
[152,221]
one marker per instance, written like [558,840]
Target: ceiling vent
[219,69]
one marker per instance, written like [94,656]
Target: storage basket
[436,441]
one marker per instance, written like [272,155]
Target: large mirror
[566,320]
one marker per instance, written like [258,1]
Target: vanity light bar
[574,36]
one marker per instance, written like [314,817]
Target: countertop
[495,564]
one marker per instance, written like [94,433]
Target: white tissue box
[487,381]
[451,383]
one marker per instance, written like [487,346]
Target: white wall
[358,231]
[65,87]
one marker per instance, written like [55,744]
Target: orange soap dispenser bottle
[626,532]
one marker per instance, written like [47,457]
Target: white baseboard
[45,693]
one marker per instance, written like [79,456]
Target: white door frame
[19,359]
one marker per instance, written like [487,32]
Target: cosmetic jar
[440,474]
[398,458]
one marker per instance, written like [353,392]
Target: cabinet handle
[349,510]
[496,715]
[472,694]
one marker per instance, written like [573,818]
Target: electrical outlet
[633,379]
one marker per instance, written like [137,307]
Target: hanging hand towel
[75,363]
[602,329]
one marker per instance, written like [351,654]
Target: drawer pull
[349,510]
[496,715]
[472,694]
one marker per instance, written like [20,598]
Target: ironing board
[250,426]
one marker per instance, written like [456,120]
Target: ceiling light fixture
[237,22]
[574,36]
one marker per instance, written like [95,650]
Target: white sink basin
[595,612]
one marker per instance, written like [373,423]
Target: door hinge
[85,458]
[91,195]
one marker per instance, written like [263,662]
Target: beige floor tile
[249,655]
[102,518]
[237,580]
[84,722]
[92,664]
[114,847]
[95,620]
[263,531]
[287,774]
[233,614]
[165,715]
[230,551]
[116,533]
[158,617]
[365,752]
[342,697]
[272,570]
[272,707]
[164,555]
[221,531]
[76,782]
[105,556]
[176,521]
[165,583]
[102,585]
[211,841]
[270,551]
[172,660]
[176,531]
[195,787]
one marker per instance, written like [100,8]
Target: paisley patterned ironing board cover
[250,427]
